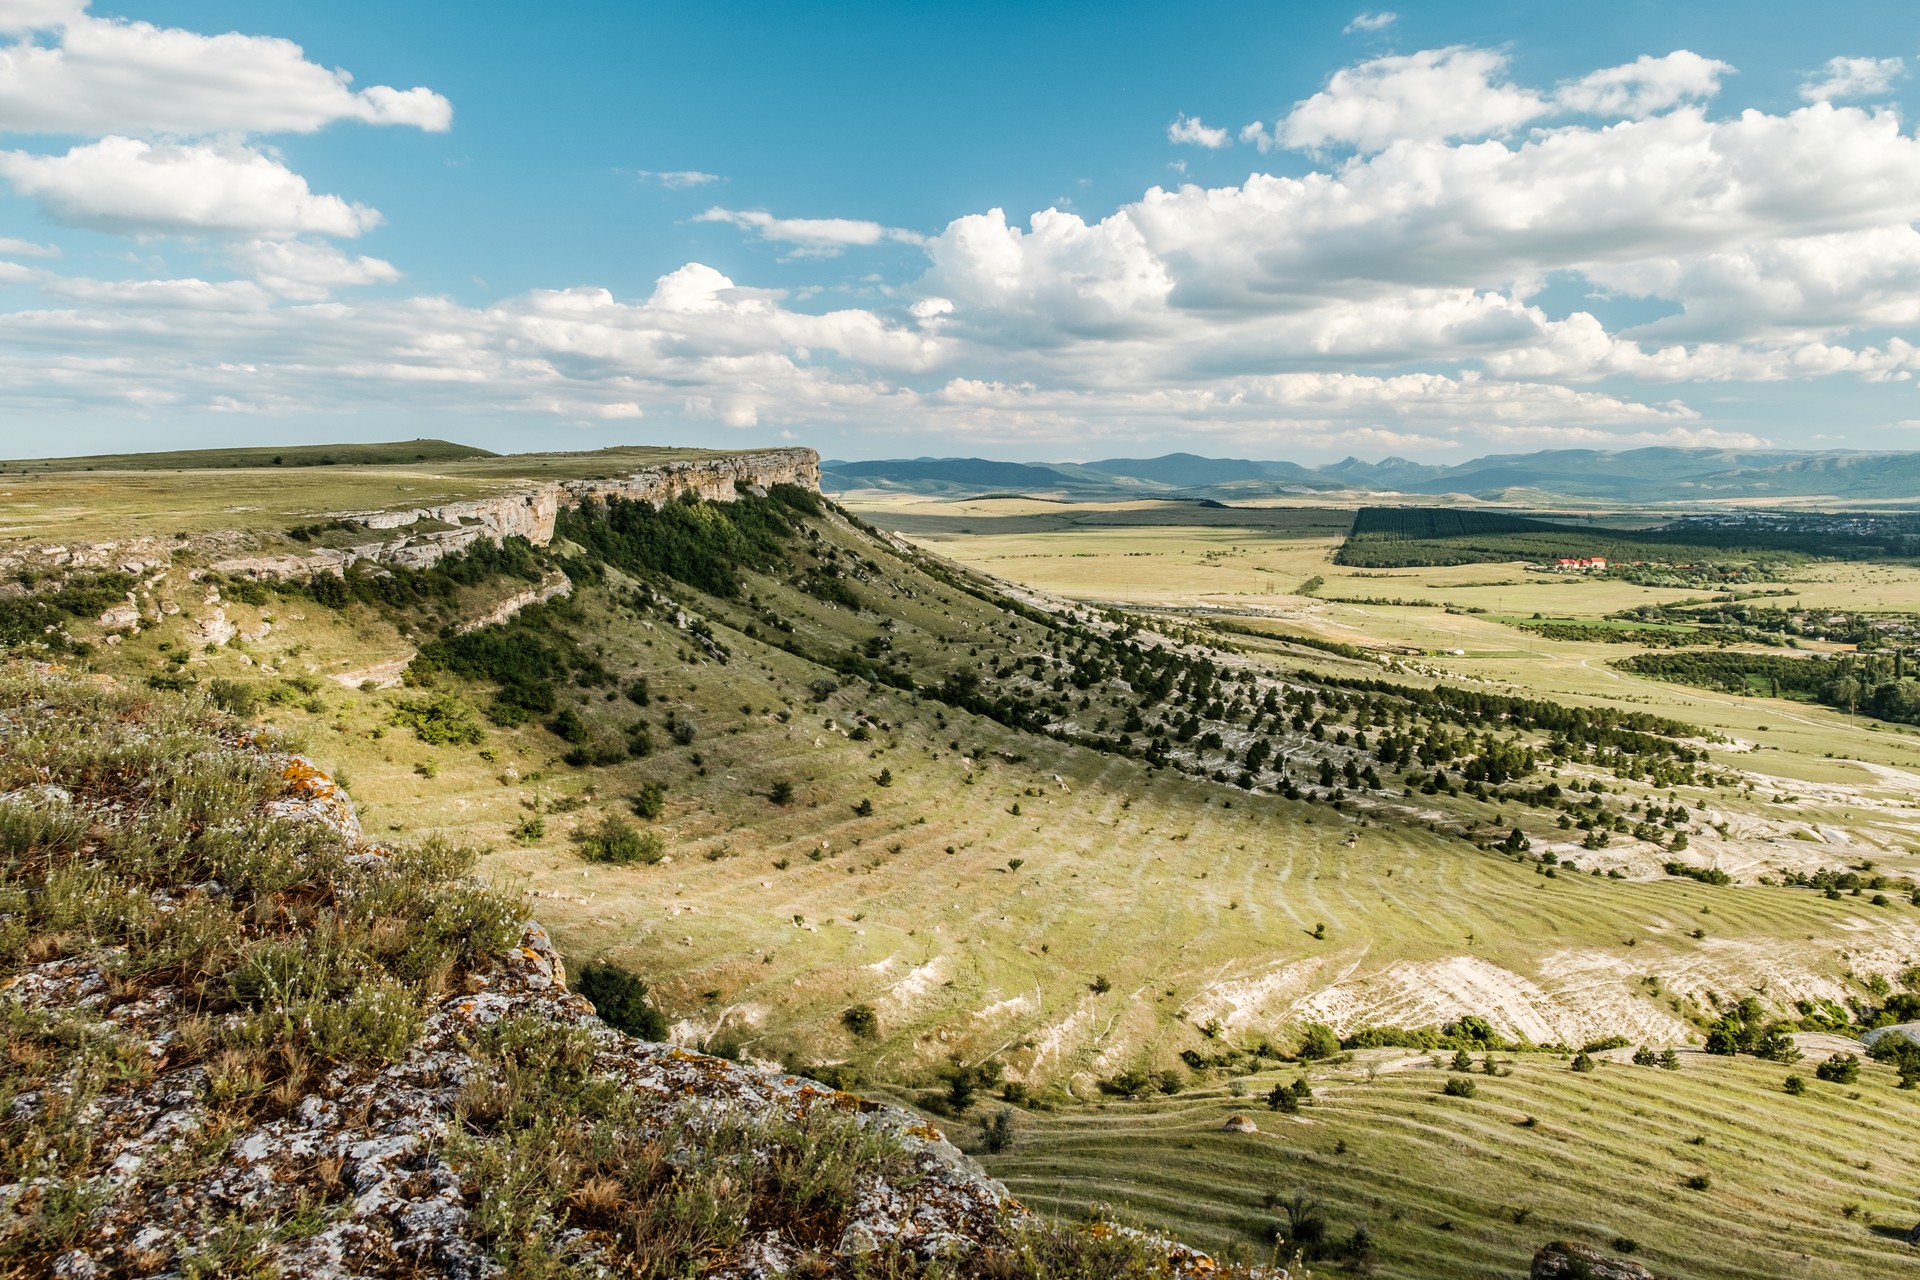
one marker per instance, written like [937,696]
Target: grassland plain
[840,830]
[95,500]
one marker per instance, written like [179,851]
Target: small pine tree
[1583,1061]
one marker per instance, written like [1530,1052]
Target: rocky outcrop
[551,587]
[1564,1260]
[416,537]
[424,535]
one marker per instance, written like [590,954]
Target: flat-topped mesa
[432,533]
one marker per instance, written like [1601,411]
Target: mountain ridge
[1660,474]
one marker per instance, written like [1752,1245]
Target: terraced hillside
[1713,1170]
[850,806]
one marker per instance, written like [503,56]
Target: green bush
[1459,1087]
[1317,1042]
[617,841]
[234,697]
[441,720]
[650,802]
[1841,1068]
[862,1021]
[621,999]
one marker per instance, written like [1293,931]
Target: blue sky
[1059,231]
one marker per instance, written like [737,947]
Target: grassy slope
[1149,879]
[959,952]
[1462,1188]
[400,452]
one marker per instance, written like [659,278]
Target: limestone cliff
[420,536]
[416,537]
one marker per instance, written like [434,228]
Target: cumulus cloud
[1454,92]
[308,270]
[1190,130]
[812,237]
[1645,85]
[1394,298]
[129,185]
[20,16]
[1429,214]
[134,78]
[1370,22]
[13,248]
[1853,78]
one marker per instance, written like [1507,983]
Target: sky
[1062,231]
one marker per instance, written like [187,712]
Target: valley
[1113,814]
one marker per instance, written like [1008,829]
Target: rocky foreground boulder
[239,1039]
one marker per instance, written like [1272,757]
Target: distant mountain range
[1631,476]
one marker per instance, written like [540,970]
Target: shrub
[862,1021]
[638,693]
[864,809]
[1583,1061]
[1317,1042]
[650,802]
[440,720]
[1698,1182]
[530,829]
[1794,1085]
[620,997]
[1841,1068]
[781,793]
[568,726]
[1459,1087]
[997,1134]
[1100,986]
[234,697]
[617,841]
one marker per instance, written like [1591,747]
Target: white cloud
[18,16]
[1370,22]
[12,248]
[1397,298]
[308,270]
[1190,129]
[125,184]
[677,179]
[811,237]
[1645,85]
[1433,94]
[1257,134]
[1853,78]
[1427,215]
[135,78]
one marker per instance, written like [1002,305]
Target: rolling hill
[854,810]
[1635,476]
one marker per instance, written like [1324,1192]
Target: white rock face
[531,513]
